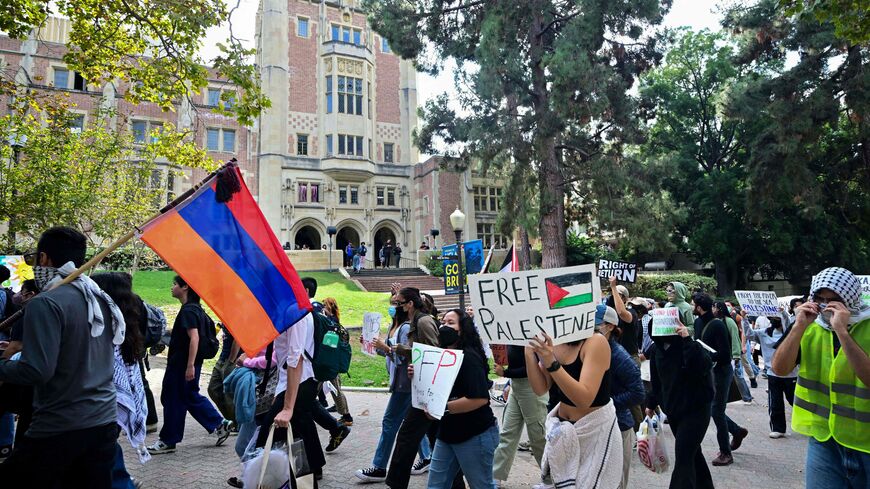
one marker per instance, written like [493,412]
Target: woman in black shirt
[468,432]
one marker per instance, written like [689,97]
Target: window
[329,94]
[380,195]
[302,144]
[61,78]
[359,96]
[349,95]
[350,145]
[370,148]
[354,195]
[155,127]
[77,123]
[308,192]
[388,152]
[329,144]
[345,34]
[230,100]
[486,199]
[385,195]
[335,32]
[391,197]
[369,101]
[170,185]
[229,141]
[213,138]
[488,234]
[79,83]
[385,46]
[214,97]
[302,27]
[342,194]
[139,129]
[357,37]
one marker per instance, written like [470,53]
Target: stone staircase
[380,280]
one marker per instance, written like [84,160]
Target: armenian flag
[220,243]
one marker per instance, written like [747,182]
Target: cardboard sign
[371,328]
[758,302]
[435,371]
[665,321]
[865,288]
[499,354]
[624,271]
[20,271]
[511,308]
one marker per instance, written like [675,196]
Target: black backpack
[328,362]
[155,325]
[208,342]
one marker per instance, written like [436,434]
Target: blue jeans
[246,432]
[473,456]
[833,466]
[742,385]
[180,397]
[722,375]
[120,477]
[397,408]
[7,429]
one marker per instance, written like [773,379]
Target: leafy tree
[809,156]
[851,18]
[151,45]
[543,88]
[95,179]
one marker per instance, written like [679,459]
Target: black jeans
[722,375]
[690,469]
[302,424]
[18,399]
[72,460]
[322,417]
[778,387]
[414,427]
[149,396]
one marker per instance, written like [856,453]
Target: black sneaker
[421,467]
[222,432]
[346,420]
[5,452]
[337,437]
[372,474]
[753,383]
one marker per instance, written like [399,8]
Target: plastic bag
[651,447]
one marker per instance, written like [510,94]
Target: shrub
[653,285]
[122,259]
[435,266]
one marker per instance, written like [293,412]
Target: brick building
[336,147]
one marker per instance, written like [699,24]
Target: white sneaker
[776,434]
[222,432]
[747,403]
[160,447]
[543,485]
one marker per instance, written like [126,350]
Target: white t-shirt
[289,348]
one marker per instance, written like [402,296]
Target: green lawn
[153,287]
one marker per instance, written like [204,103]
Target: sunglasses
[402,303]
[30,258]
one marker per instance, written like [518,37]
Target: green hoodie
[686,310]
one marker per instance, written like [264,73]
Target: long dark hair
[119,286]
[469,338]
[413,294]
[721,310]
[400,318]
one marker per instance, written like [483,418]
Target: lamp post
[434,233]
[17,144]
[457,220]
[331,231]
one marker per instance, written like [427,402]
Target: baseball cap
[639,301]
[623,291]
[605,314]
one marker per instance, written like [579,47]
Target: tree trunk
[551,190]
[726,278]
[524,254]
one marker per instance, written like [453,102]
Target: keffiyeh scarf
[847,286]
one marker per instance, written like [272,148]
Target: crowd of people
[73,371]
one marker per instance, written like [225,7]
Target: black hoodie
[714,333]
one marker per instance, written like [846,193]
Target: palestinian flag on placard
[569,290]
[510,263]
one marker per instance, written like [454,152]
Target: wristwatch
[554,366]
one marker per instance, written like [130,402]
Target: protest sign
[472,255]
[371,328]
[865,288]
[20,271]
[623,271]
[451,278]
[758,302]
[499,354]
[435,371]
[665,321]
[511,308]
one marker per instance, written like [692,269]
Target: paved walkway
[198,464]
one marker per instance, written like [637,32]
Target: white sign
[371,328]
[865,288]
[435,371]
[758,302]
[19,270]
[511,308]
[665,321]
[623,271]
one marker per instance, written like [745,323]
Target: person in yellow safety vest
[830,340]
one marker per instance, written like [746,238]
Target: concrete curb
[349,388]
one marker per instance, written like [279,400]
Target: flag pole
[123,239]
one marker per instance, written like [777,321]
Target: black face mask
[447,336]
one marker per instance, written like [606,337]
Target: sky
[697,14]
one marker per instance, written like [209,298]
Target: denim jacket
[626,388]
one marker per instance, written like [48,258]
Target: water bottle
[330,339]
